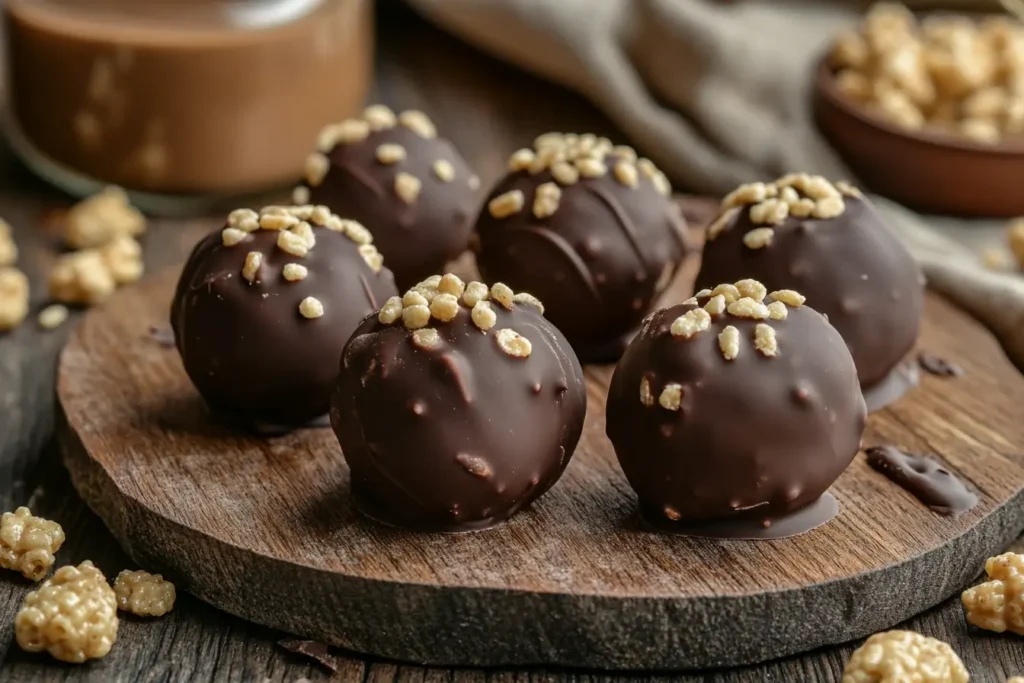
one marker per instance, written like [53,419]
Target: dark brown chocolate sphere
[394,175]
[590,230]
[828,241]
[744,410]
[456,406]
[263,309]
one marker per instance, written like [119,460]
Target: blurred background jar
[179,98]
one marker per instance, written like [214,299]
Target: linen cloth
[717,94]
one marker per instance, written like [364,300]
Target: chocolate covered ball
[409,187]
[588,228]
[803,232]
[734,406]
[456,406]
[264,306]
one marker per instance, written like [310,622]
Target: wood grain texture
[264,528]
[488,109]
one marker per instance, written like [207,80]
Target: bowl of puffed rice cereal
[929,111]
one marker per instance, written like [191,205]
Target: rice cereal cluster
[440,298]
[296,237]
[569,158]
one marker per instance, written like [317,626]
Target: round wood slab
[263,528]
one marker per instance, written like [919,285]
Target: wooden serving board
[264,529]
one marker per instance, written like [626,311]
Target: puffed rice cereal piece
[73,616]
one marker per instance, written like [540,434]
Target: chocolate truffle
[409,187]
[264,306]
[456,406]
[804,233]
[734,408]
[589,229]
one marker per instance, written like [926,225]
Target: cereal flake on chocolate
[690,323]
[379,117]
[718,225]
[483,315]
[444,307]
[443,170]
[311,308]
[291,243]
[759,238]
[503,294]
[390,153]
[746,307]
[750,193]
[528,300]
[251,268]
[789,297]
[507,204]
[777,310]
[727,291]
[451,284]
[715,305]
[546,199]
[245,220]
[391,311]
[591,168]
[232,236]
[829,207]
[765,340]
[272,219]
[419,123]
[752,289]
[513,343]
[521,160]
[565,174]
[294,272]
[426,338]
[415,297]
[475,291]
[416,316]
[407,187]
[372,257]
[646,397]
[729,342]
[769,212]
[671,397]
[626,173]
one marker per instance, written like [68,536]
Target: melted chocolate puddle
[753,528]
[925,478]
[940,367]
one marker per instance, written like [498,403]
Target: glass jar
[173,99]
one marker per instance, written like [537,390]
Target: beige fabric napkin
[718,94]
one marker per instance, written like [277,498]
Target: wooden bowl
[931,171]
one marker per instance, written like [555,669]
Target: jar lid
[178,98]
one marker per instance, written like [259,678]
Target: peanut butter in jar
[181,97]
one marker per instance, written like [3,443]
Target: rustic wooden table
[488,109]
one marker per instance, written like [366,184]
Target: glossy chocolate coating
[463,436]
[852,268]
[598,263]
[754,438]
[247,348]
[416,239]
